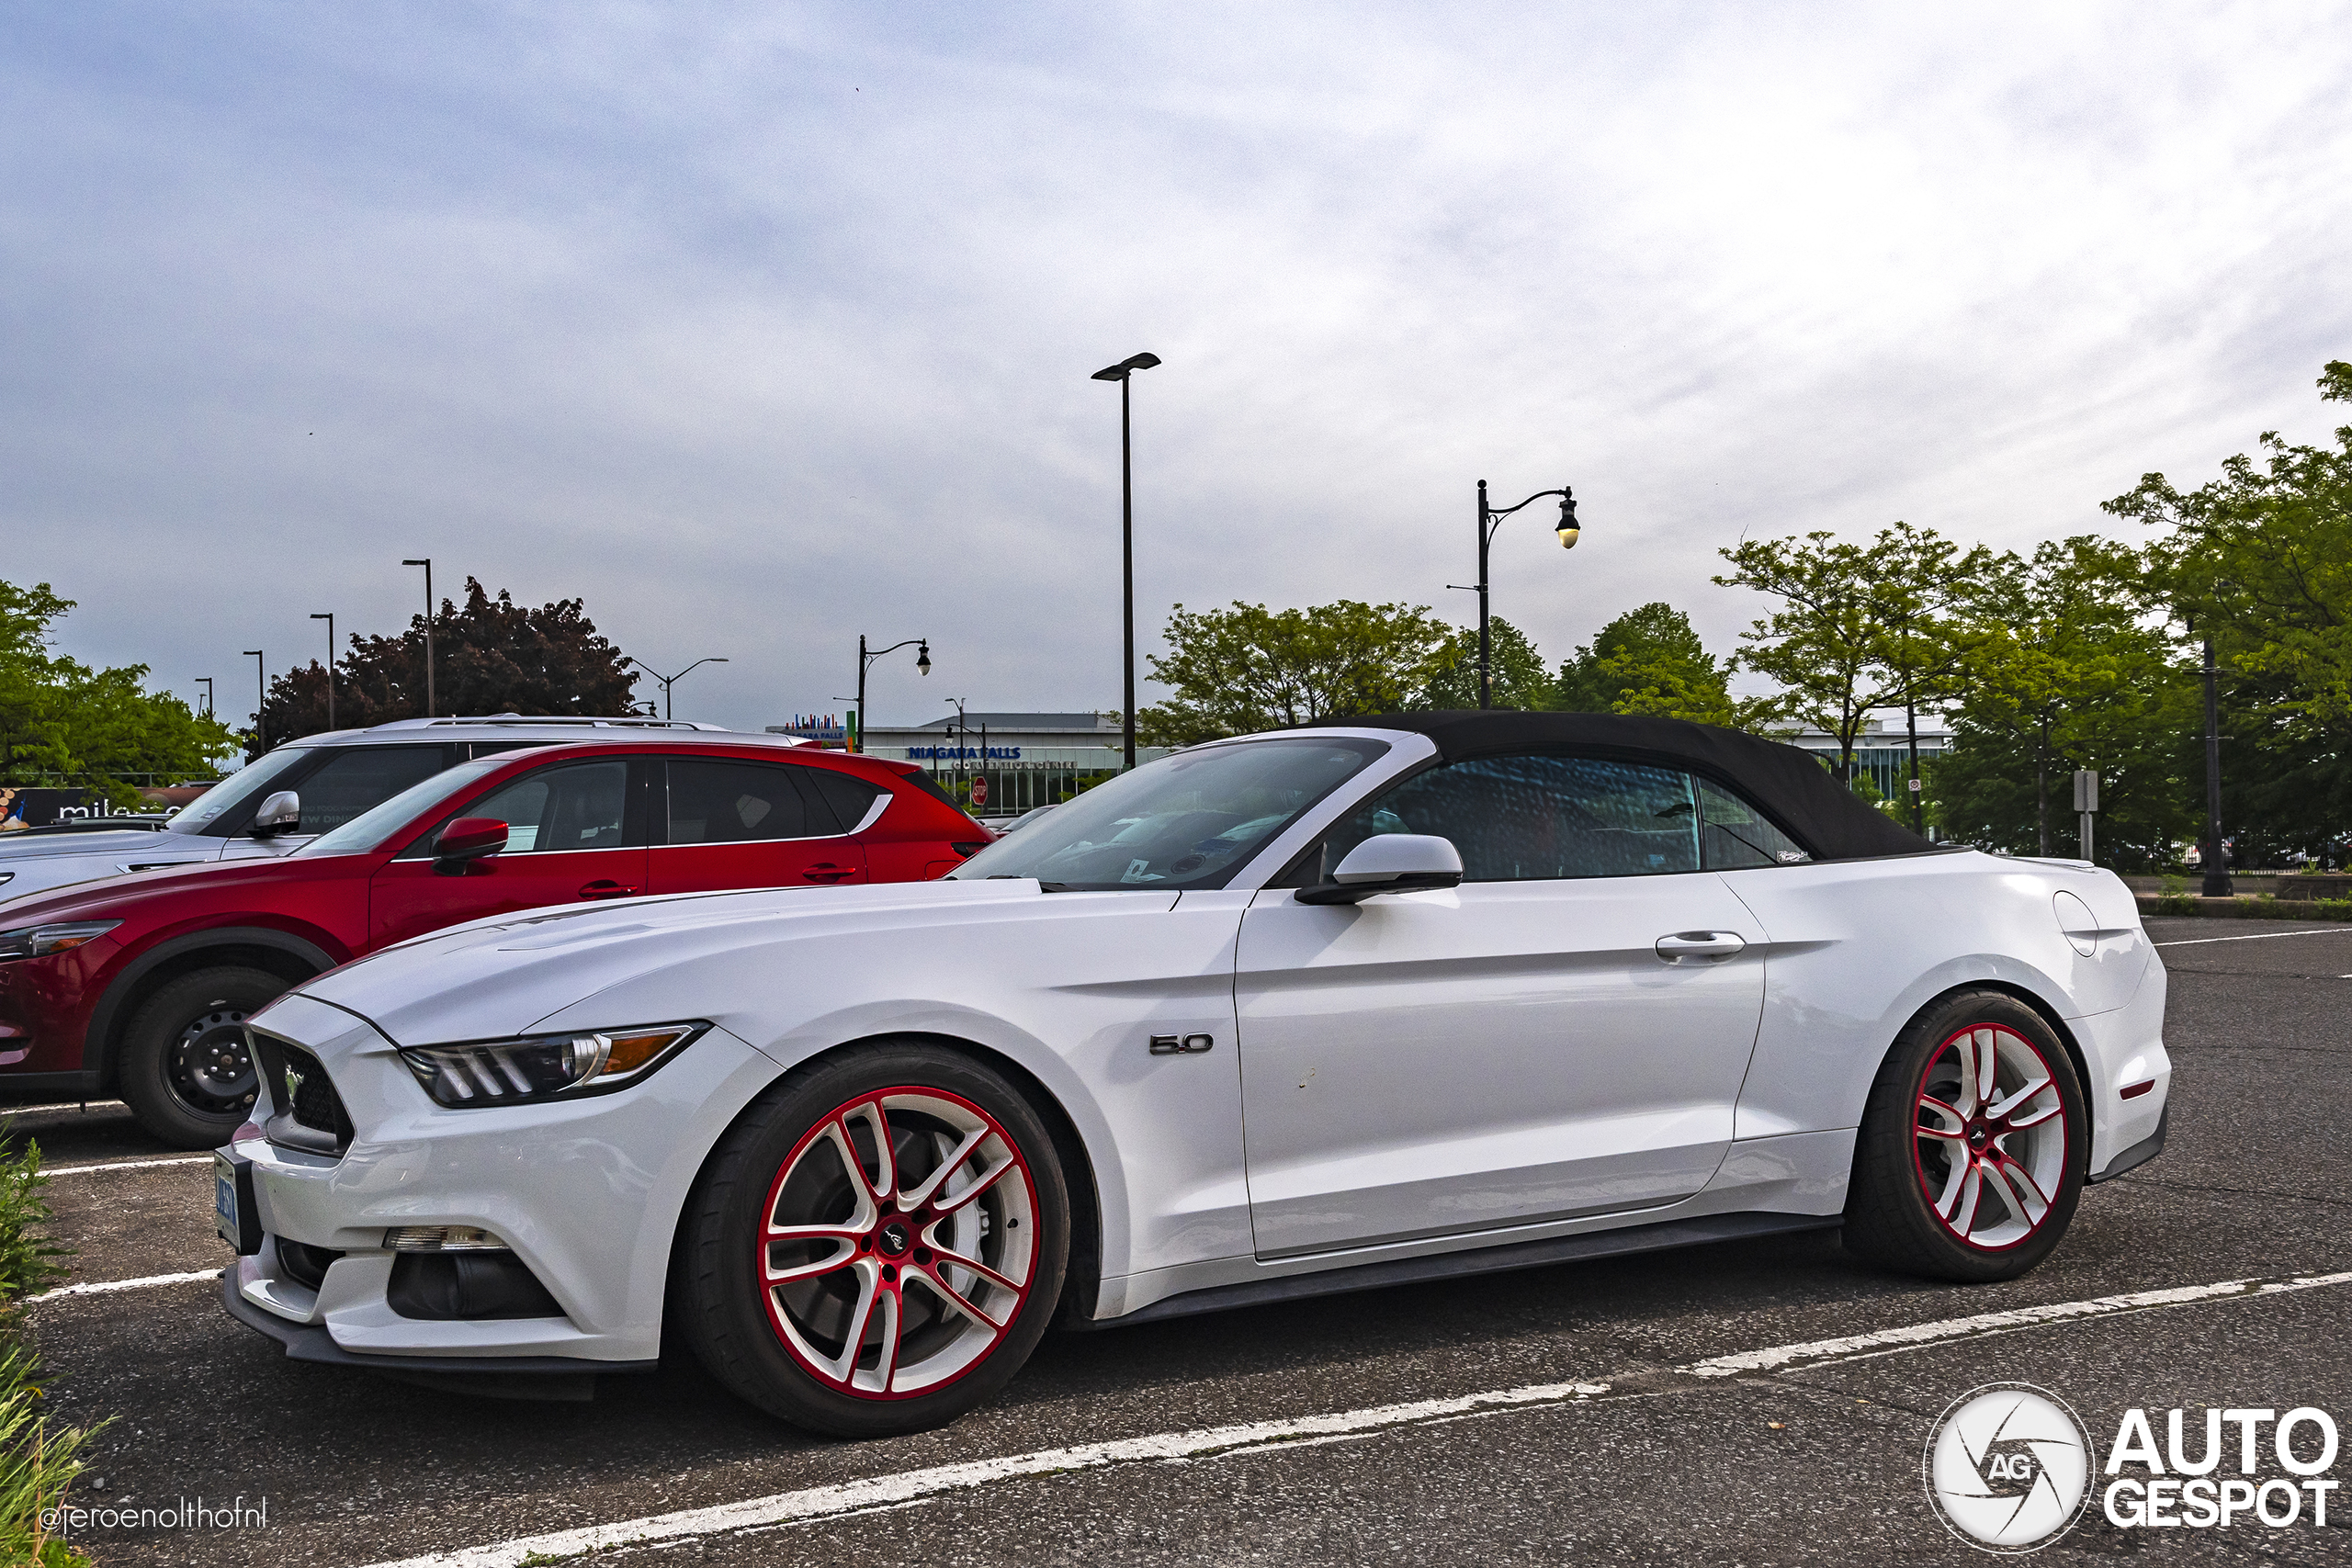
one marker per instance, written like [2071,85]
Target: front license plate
[232,1204]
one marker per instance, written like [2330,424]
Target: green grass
[39,1462]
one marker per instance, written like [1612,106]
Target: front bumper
[587,1193]
[548,1375]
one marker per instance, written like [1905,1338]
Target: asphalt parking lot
[1579,1412]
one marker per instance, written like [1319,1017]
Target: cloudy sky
[759,327]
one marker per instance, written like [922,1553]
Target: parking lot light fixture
[426,562]
[1122,373]
[261,701]
[328,616]
[668,710]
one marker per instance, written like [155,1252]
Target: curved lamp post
[667,712]
[1122,373]
[866,661]
[1489,519]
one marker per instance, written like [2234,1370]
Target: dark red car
[141,984]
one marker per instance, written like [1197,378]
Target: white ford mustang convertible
[1324,1009]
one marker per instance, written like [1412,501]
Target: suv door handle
[1715,946]
[606,889]
[826,871]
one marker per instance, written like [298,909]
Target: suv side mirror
[281,812]
[466,839]
[1389,862]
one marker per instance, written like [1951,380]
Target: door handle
[826,871]
[607,888]
[1713,945]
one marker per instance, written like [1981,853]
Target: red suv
[141,984]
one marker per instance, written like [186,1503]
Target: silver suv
[295,791]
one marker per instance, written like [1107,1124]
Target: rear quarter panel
[1857,948]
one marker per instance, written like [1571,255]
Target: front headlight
[38,941]
[511,1072]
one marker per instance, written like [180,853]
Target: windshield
[366,833]
[1189,820]
[242,789]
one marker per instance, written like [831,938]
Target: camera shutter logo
[2008,1467]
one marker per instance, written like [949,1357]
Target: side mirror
[281,813]
[1390,862]
[465,840]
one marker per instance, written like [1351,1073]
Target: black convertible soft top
[1789,783]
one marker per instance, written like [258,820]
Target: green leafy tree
[1859,627]
[1650,660]
[2260,561]
[1246,668]
[1518,679]
[64,721]
[2065,670]
[489,656]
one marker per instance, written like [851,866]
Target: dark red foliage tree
[489,656]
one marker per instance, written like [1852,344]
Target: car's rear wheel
[1969,1160]
[878,1243]
[186,1071]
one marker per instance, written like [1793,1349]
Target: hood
[130,842]
[104,894]
[504,975]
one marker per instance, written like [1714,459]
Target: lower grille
[308,1114]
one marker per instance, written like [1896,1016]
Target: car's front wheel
[1970,1158]
[878,1243]
[186,1071]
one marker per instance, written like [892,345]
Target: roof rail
[577,721]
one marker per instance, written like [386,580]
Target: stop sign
[980,791]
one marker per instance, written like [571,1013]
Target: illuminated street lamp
[1489,519]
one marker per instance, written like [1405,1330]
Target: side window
[850,796]
[1736,836]
[1540,817]
[716,801]
[574,806]
[360,778]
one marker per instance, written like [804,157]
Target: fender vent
[308,1114]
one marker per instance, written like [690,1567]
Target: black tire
[1892,1216]
[186,1071]
[765,1342]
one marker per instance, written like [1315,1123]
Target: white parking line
[914,1485]
[103,1286]
[1861,1345]
[126,1165]
[2252,936]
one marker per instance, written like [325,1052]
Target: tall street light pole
[329,618]
[261,701]
[2217,870]
[866,661]
[1490,519]
[669,711]
[1121,373]
[426,562]
[205,681]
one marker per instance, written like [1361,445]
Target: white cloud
[759,328]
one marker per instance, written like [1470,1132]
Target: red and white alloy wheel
[1991,1150]
[897,1243]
